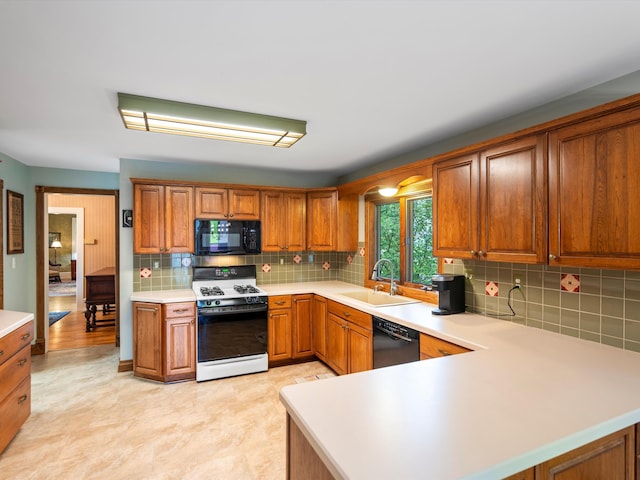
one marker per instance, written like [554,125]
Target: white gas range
[232,322]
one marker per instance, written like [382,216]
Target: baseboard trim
[125,366]
[38,347]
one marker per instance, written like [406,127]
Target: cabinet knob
[552,257]
[481,253]
[473,252]
[230,215]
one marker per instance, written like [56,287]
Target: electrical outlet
[468,273]
[517,280]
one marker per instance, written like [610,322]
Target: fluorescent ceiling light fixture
[388,191]
[177,118]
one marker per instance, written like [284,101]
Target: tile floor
[90,422]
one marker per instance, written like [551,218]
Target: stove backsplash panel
[173,271]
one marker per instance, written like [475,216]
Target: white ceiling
[373,79]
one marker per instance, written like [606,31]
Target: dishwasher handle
[394,335]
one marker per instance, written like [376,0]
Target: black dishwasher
[394,344]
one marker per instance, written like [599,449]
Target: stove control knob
[217,302]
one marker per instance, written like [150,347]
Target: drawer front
[15,370]
[15,341]
[279,301]
[186,309]
[14,411]
[432,347]
[353,315]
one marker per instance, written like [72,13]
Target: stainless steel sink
[378,299]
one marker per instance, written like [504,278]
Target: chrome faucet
[393,288]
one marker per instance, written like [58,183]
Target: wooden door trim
[39,347]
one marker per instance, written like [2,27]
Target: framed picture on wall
[15,222]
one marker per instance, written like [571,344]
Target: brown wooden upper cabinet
[230,204]
[332,222]
[492,205]
[163,219]
[322,218]
[594,192]
[284,221]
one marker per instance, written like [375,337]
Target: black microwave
[224,237]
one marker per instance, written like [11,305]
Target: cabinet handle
[1,352]
[281,302]
[444,352]
[26,335]
[346,314]
[552,257]
[22,362]
[181,310]
[22,399]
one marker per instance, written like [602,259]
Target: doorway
[77,231]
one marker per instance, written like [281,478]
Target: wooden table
[101,290]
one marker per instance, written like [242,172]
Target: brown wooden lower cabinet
[609,458]
[349,339]
[432,347]
[164,341]
[290,328]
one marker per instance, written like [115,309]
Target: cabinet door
[322,218]
[148,220]
[594,193]
[211,203]
[360,349]
[295,225]
[320,326]
[272,218]
[147,340]
[180,348]
[302,326]
[455,207]
[178,216]
[337,344]
[611,457]
[244,204]
[513,202]
[280,335]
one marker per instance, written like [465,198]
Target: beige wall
[99,225]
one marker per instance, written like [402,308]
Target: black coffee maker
[450,290]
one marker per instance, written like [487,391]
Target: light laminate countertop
[11,320]
[522,396]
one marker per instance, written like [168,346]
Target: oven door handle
[212,312]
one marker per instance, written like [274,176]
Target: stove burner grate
[246,289]
[211,291]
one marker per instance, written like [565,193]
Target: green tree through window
[420,264]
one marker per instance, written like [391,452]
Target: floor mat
[55,316]
[62,289]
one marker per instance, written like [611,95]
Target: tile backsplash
[173,271]
[598,305]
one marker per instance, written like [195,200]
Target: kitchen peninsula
[522,397]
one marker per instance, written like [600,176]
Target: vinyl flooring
[90,422]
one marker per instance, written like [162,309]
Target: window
[403,234]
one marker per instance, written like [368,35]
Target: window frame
[405,288]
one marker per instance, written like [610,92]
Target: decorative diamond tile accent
[448,261]
[349,259]
[297,258]
[145,272]
[326,265]
[266,267]
[362,252]
[570,282]
[491,289]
